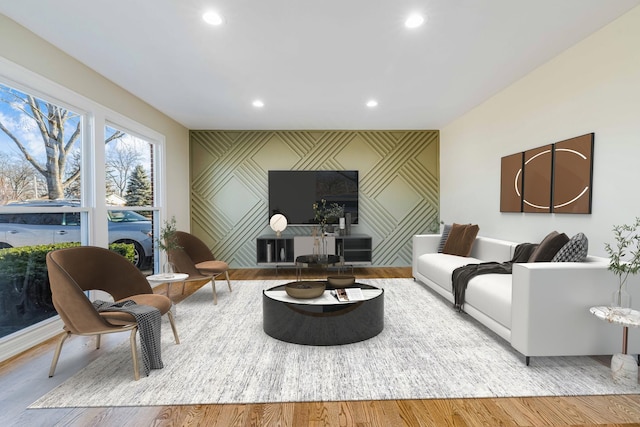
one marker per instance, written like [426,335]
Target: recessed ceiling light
[413,21]
[212,18]
[372,103]
[258,103]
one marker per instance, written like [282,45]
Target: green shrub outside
[25,294]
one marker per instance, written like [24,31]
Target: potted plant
[324,215]
[327,215]
[168,242]
[624,259]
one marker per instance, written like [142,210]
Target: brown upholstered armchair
[72,271]
[195,259]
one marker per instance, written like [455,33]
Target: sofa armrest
[424,244]
[550,309]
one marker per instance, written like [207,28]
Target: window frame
[93,209]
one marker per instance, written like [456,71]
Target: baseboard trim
[23,341]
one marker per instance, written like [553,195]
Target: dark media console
[356,249]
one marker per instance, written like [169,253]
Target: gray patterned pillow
[574,251]
[444,237]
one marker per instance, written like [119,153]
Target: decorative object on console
[461,239]
[347,224]
[627,239]
[326,215]
[305,289]
[278,223]
[555,178]
[319,245]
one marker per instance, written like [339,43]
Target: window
[61,183]
[129,182]
[40,174]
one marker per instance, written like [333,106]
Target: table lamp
[278,223]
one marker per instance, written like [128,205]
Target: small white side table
[624,367]
[168,278]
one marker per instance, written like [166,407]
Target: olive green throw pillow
[461,239]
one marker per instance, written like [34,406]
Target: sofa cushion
[461,239]
[438,267]
[491,294]
[443,239]
[549,247]
[575,250]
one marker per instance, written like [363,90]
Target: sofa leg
[526,360]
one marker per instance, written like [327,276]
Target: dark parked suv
[38,228]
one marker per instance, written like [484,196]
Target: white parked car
[39,228]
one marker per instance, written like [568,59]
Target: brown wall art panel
[511,183]
[572,175]
[536,196]
[555,178]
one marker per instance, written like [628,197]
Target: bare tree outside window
[121,160]
[18,180]
[128,159]
[43,134]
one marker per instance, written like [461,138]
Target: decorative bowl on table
[305,289]
[341,281]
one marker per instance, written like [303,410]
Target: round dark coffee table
[323,320]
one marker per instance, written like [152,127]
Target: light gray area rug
[427,350]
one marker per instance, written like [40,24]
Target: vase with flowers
[168,242]
[324,215]
[624,260]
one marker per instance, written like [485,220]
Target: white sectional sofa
[541,309]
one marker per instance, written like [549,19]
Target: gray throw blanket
[462,275]
[149,324]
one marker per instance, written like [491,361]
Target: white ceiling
[314,63]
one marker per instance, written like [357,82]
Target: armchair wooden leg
[98,339]
[226,273]
[134,354]
[56,355]
[215,295]
[173,326]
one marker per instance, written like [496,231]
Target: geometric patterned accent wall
[398,173]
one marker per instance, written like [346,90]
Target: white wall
[25,49]
[592,87]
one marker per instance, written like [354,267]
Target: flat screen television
[293,193]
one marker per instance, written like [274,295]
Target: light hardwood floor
[23,379]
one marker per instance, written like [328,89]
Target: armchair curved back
[73,306]
[195,248]
[95,268]
[72,271]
